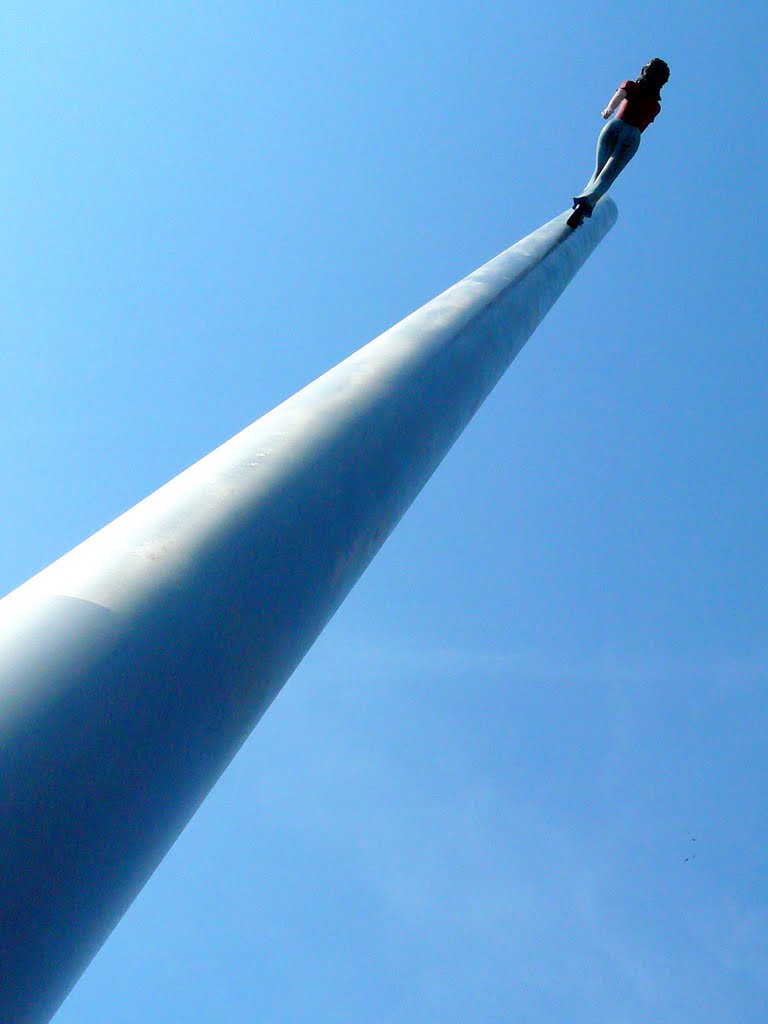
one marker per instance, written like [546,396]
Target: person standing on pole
[636,104]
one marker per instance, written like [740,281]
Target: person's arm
[618,96]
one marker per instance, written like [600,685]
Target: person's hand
[607,113]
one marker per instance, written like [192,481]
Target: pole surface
[133,668]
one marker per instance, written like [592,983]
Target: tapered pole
[133,668]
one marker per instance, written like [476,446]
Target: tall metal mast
[133,668]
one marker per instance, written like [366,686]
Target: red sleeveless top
[639,108]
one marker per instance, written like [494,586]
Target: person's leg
[625,140]
[606,142]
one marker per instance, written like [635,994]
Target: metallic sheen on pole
[133,668]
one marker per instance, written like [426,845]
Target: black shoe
[577,217]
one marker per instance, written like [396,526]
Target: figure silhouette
[636,104]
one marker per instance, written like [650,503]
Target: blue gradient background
[474,799]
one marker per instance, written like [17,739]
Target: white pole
[133,668]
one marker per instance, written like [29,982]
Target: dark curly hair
[654,75]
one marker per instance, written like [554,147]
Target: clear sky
[474,799]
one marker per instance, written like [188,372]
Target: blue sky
[474,799]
